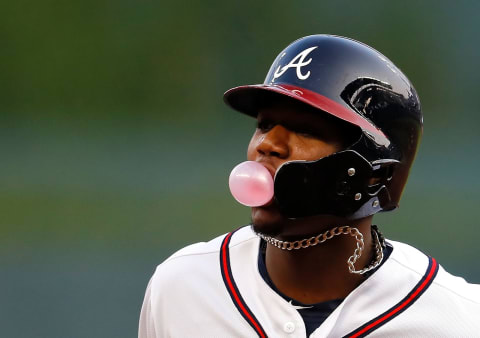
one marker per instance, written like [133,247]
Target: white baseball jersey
[214,289]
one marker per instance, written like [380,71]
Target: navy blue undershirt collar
[313,314]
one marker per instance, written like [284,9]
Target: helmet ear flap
[343,184]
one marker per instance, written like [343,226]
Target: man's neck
[320,273]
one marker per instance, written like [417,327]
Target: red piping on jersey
[362,331]
[232,289]
[403,304]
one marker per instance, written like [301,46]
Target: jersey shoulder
[213,246]
[188,288]
[450,286]
[199,259]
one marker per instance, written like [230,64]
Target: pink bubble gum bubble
[251,184]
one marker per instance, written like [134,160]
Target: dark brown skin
[289,131]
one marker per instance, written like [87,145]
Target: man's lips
[270,168]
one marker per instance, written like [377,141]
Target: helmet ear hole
[366,95]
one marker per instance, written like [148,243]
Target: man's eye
[309,135]
[264,125]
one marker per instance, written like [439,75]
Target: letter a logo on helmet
[357,84]
[301,56]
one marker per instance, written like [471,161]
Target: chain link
[329,234]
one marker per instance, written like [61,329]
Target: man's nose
[274,142]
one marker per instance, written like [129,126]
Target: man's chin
[268,221]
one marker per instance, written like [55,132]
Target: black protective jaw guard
[343,184]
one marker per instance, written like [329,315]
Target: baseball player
[337,127]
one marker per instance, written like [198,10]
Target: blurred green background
[116,146]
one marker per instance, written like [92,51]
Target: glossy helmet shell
[357,84]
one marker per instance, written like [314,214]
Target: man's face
[288,131]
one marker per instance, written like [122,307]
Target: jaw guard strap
[343,184]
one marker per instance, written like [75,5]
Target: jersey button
[289,327]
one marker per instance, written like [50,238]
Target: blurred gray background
[116,146]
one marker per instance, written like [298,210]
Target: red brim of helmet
[249,99]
